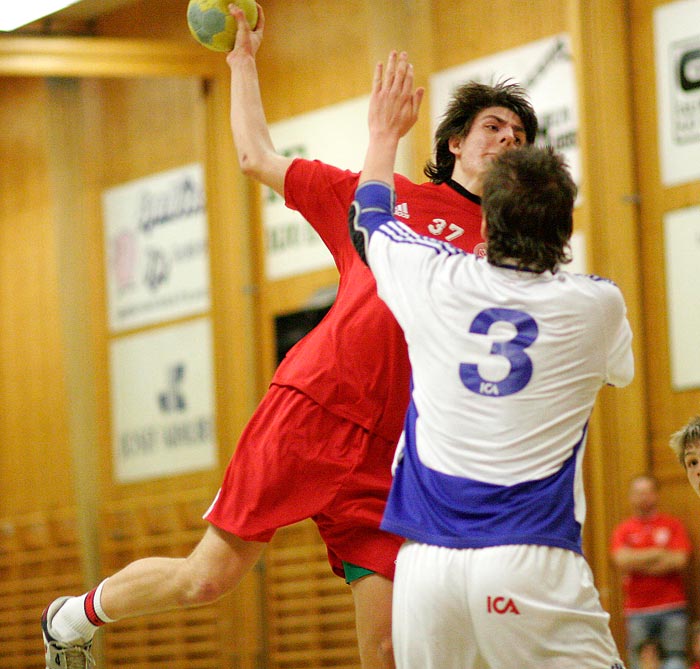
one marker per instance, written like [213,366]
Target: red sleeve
[680,540]
[322,194]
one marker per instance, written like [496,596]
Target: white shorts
[498,608]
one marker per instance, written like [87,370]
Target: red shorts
[295,460]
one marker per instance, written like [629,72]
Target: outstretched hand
[248,38]
[393,109]
[394,105]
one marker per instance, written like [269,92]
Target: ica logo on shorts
[501,605]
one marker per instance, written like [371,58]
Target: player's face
[643,496]
[691,458]
[494,130]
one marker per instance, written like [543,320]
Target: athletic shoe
[61,655]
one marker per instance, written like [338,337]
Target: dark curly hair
[528,203]
[466,102]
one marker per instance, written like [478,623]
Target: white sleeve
[400,272]
[620,359]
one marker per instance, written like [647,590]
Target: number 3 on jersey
[512,349]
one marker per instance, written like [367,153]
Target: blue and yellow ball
[212,25]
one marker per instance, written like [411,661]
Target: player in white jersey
[508,354]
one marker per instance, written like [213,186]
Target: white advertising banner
[677,53]
[156,248]
[682,250]
[336,135]
[162,396]
[545,69]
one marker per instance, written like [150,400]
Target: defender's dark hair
[466,102]
[528,203]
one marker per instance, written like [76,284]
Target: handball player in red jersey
[321,443]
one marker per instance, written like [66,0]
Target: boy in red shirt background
[652,549]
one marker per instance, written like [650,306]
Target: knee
[215,566]
[378,652]
[199,589]
[385,651]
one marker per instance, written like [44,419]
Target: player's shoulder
[669,519]
[596,286]
[628,524]
[429,189]
[426,190]
[305,168]
[596,279]
[403,182]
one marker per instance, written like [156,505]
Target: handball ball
[211,24]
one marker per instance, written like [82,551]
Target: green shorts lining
[353,572]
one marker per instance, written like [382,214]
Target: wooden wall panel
[40,550]
[470,29]
[668,409]
[109,131]
[40,559]
[35,469]
[618,445]
[147,19]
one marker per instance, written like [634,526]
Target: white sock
[79,617]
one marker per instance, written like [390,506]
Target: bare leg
[154,585]
[372,595]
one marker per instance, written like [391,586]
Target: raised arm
[256,153]
[393,110]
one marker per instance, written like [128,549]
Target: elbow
[248,164]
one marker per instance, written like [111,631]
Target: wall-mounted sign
[162,395]
[677,41]
[156,248]
[682,250]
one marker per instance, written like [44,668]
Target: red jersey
[354,363]
[647,592]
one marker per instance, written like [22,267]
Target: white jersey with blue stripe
[506,366]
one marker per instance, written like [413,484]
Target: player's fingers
[399,68]
[260,25]
[390,70]
[377,79]
[417,99]
[241,22]
[405,77]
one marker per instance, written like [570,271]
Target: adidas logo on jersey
[401,210]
